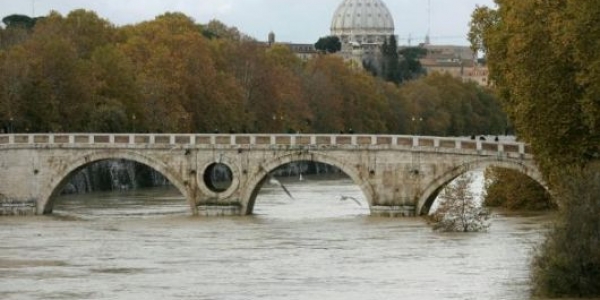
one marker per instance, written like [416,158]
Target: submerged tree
[459,211]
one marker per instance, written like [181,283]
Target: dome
[363,21]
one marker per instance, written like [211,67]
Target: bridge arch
[257,180]
[430,193]
[45,204]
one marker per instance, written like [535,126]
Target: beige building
[458,61]
[303,51]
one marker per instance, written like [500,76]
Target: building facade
[458,61]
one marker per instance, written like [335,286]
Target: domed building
[362,23]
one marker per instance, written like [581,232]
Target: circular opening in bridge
[218,177]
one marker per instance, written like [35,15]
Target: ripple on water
[313,247]
[21,263]
[119,270]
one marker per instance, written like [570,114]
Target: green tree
[542,61]
[568,262]
[13,82]
[59,86]
[545,72]
[394,64]
[324,97]
[88,32]
[514,190]
[116,92]
[216,29]
[21,21]
[390,67]
[446,106]
[12,36]
[410,64]
[329,44]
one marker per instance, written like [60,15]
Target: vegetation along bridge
[398,175]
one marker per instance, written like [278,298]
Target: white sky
[299,21]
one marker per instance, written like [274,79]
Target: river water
[145,245]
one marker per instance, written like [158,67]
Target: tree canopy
[394,64]
[79,73]
[543,59]
[329,44]
[22,21]
[547,73]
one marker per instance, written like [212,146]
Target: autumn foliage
[543,58]
[79,72]
[515,191]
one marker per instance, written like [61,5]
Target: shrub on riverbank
[514,191]
[568,263]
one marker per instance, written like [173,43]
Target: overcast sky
[300,21]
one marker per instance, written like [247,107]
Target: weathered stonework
[398,175]
[14,207]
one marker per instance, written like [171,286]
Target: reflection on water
[144,245]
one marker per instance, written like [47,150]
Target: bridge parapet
[421,143]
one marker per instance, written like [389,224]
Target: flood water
[145,245]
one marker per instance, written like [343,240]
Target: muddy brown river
[145,245]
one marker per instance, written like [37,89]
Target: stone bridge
[398,175]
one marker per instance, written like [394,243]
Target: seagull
[273,180]
[344,198]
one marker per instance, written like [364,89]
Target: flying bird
[344,198]
[274,181]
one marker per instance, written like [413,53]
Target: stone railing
[264,140]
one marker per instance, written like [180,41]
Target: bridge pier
[393,211]
[219,210]
[11,207]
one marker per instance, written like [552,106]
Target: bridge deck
[8,140]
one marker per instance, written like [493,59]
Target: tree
[410,65]
[458,210]
[396,65]
[18,28]
[324,97]
[13,82]
[81,73]
[87,31]
[513,190]
[180,87]
[450,107]
[568,262]
[390,68]
[21,21]
[546,73]
[216,29]
[329,44]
